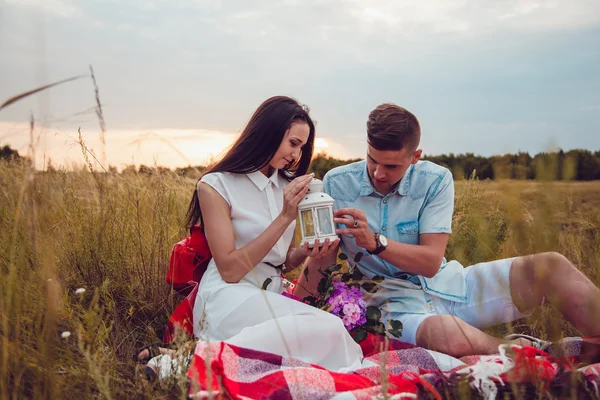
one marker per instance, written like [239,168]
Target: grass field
[112,234]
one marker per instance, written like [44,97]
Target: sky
[179,79]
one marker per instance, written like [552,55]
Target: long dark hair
[258,143]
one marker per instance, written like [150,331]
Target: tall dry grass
[108,234]
[111,235]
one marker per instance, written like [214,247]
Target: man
[397,210]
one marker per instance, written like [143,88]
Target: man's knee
[541,270]
[444,333]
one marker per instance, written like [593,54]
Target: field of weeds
[111,235]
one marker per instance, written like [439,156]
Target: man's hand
[357,225]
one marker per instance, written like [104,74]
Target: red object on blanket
[374,344]
[183,316]
[189,259]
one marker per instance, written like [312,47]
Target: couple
[395,209]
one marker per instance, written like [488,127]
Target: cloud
[443,16]
[60,8]
[181,64]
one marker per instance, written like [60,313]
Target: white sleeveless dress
[242,313]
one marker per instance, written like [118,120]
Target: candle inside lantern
[315,212]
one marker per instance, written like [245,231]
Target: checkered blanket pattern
[220,370]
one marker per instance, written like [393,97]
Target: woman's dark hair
[258,143]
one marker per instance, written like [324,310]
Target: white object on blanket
[167,367]
[444,361]
[488,369]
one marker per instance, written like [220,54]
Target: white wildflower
[65,334]
[80,291]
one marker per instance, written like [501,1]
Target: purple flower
[348,304]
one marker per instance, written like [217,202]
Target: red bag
[182,317]
[189,259]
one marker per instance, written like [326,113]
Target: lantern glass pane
[325,225]
[308,223]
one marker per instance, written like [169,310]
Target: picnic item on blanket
[404,371]
[189,259]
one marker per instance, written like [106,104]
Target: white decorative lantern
[315,212]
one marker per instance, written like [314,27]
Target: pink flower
[351,309]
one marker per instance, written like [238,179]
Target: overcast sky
[179,79]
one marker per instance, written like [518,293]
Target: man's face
[387,167]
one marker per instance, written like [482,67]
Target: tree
[10,154]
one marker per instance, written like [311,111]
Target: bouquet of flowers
[340,293]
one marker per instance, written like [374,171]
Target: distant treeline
[578,164]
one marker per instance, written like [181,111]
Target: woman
[247,205]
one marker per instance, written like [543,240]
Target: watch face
[383,240]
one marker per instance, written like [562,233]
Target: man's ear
[416,156]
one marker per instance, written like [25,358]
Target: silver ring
[355,222]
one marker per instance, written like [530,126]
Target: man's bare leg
[451,335]
[552,277]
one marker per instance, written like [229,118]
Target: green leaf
[378,328]
[346,277]
[396,325]
[358,257]
[329,291]
[373,313]
[334,268]
[395,333]
[322,287]
[266,283]
[370,287]
[357,275]
[378,278]
[359,335]
[342,256]
[324,273]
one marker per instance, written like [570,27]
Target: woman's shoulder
[221,178]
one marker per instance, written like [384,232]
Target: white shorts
[488,302]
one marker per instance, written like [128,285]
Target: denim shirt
[422,202]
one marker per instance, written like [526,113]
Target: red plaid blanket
[224,371]
[572,370]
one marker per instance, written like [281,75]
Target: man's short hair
[391,127]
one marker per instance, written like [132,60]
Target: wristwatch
[381,242]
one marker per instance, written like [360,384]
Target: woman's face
[290,148]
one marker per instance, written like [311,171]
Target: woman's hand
[296,256]
[317,251]
[292,194]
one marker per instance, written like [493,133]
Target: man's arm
[435,222]
[424,258]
